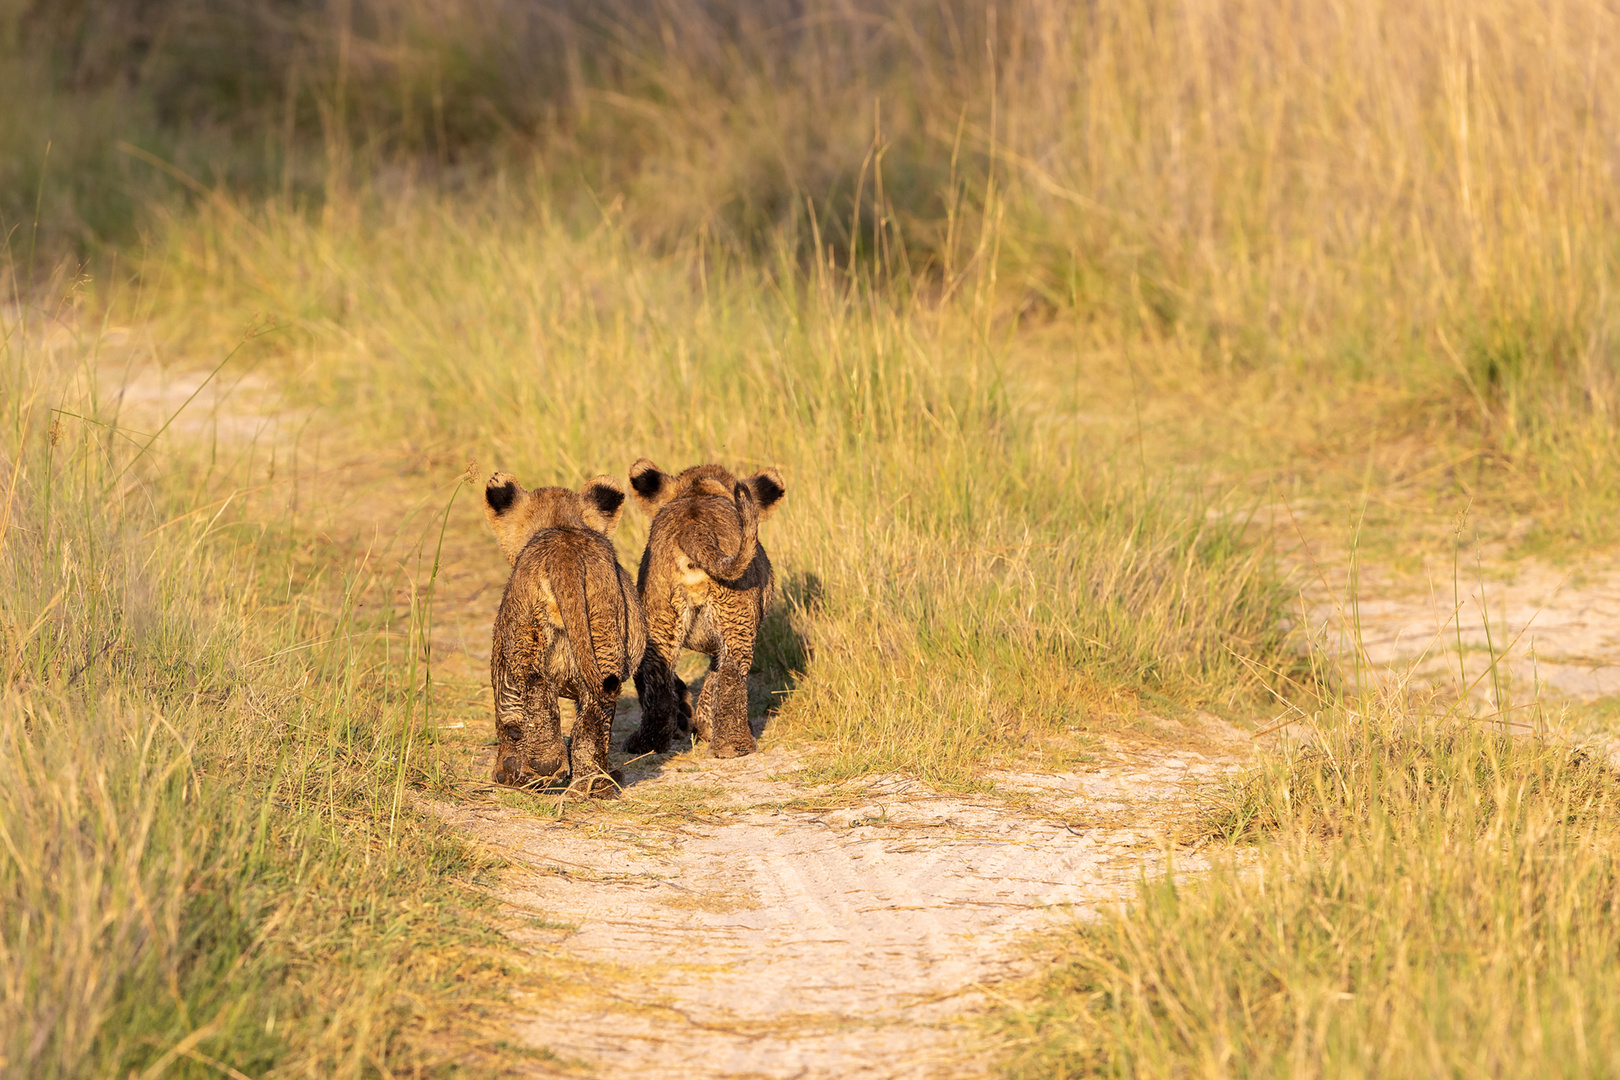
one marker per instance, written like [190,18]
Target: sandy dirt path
[766,928]
[1551,632]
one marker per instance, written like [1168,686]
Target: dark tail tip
[611,684]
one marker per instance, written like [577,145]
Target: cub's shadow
[782,654]
[784,649]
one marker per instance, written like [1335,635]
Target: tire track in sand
[766,940]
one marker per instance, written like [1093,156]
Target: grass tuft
[1423,899]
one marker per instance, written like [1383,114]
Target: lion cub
[570,626]
[704,581]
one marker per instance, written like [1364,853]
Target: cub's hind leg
[545,753]
[665,707]
[703,709]
[720,717]
[726,687]
[704,639]
[735,622]
[593,775]
[528,728]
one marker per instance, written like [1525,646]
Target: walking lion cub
[704,582]
[570,626]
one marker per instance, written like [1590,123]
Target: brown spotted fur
[704,581]
[570,626]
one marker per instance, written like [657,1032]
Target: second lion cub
[704,581]
[569,626]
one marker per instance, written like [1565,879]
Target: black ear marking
[768,491]
[607,500]
[647,482]
[501,496]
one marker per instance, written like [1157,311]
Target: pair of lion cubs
[571,626]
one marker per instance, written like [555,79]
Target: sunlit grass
[1058,320]
[1379,240]
[212,860]
[1423,899]
[966,565]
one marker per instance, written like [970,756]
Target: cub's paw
[727,748]
[509,770]
[513,770]
[549,769]
[642,741]
[599,786]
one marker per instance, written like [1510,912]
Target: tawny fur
[570,625]
[705,581]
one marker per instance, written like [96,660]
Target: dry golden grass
[966,564]
[1423,900]
[211,857]
[1034,304]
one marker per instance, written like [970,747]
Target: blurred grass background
[1396,219]
[1047,310]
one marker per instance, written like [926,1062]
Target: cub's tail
[731,567]
[594,632]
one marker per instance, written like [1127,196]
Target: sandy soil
[775,930]
[1551,632]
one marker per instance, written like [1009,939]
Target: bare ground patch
[1527,631]
[777,937]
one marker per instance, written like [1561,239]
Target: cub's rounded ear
[768,489]
[602,501]
[503,496]
[652,485]
[501,492]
